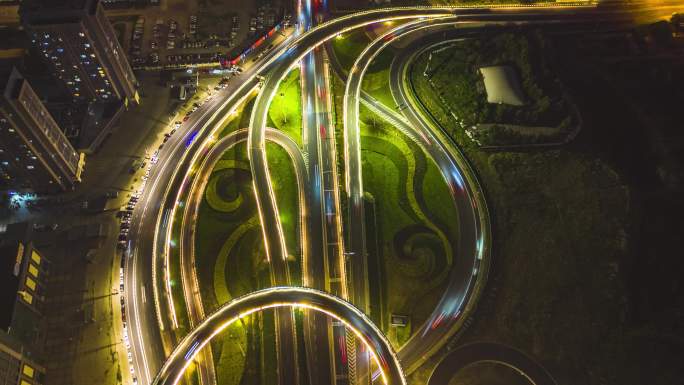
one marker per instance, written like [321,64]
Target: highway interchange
[186,162]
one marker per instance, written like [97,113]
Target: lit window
[30,283]
[29,299]
[24,382]
[28,371]
[33,271]
[30,167]
[35,257]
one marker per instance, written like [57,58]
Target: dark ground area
[587,251]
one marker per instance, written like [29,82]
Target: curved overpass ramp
[189,278]
[480,352]
[279,297]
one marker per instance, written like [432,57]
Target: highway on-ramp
[145,317]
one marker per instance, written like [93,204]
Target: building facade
[79,44]
[34,153]
[22,276]
[16,368]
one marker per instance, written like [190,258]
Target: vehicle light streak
[276,297]
[291,49]
[207,141]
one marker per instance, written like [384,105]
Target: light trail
[277,297]
[291,50]
[195,155]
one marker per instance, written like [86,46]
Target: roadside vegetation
[586,235]
[450,84]
[287,198]
[415,245]
[230,256]
[226,218]
[409,240]
[285,112]
[348,47]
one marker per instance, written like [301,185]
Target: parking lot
[194,31]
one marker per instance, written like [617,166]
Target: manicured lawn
[377,85]
[227,216]
[175,277]
[231,260]
[287,197]
[348,47]
[285,112]
[414,254]
[400,181]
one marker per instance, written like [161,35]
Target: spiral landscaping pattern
[468,256]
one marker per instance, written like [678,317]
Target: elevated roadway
[150,317]
[276,297]
[147,239]
[191,288]
[488,352]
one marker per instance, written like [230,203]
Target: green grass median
[285,112]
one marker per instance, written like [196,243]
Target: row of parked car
[195,58]
[136,40]
[193,25]
[125,216]
[126,340]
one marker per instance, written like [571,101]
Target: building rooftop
[97,120]
[37,12]
[502,85]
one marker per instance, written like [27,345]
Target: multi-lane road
[148,298]
[150,315]
[283,297]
